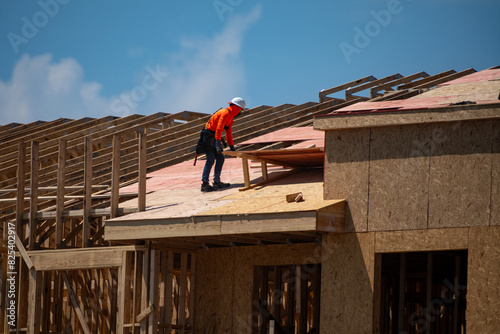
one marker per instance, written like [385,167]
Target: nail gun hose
[195,158]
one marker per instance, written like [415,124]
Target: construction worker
[211,136]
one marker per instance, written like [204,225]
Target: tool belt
[206,143]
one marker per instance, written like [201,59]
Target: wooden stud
[61,173]
[142,170]
[115,176]
[21,179]
[168,291]
[377,293]
[264,170]
[144,287]
[192,290]
[34,296]
[87,191]
[182,293]
[76,304]
[303,291]
[24,254]
[246,174]
[123,293]
[428,299]
[278,274]
[401,303]
[154,272]
[35,163]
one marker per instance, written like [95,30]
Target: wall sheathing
[225,292]
[419,187]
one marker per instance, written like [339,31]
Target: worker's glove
[218,146]
[232,147]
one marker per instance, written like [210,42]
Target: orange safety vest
[223,120]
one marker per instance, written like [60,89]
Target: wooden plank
[87,191]
[265,177]
[246,174]
[115,175]
[34,296]
[145,288]
[144,315]
[24,254]
[168,291]
[182,292]
[303,277]
[21,179]
[192,290]
[35,163]
[123,293]
[61,172]
[154,273]
[71,259]
[76,304]
[142,171]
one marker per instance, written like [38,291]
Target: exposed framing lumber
[24,254]
[142,171]
[115,176]
[76,304]
[33,195]
[87,191]
[21,179]
[61,173]
[34,296]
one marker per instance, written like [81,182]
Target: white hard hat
[239,102]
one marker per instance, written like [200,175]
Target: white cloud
[201,77]
[206,73]
[43,90]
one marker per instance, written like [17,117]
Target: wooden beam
[145,314]
[24,254]
[35,164]
[142,171]
[78,259]
[246,174]
[61,172]
[167,314]
[76,304]
[34,296]
[154,273]
[123,293]
[144,287]
[115,176]
[192,289]
[265,177]
[21,179]
[401,301]
[87,191]
[182,292]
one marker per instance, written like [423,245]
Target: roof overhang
[374,117]
[224,226]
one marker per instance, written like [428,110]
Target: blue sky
[74,58]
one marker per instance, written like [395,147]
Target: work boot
[206,187]
[220,185]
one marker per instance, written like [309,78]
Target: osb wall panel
[460,174]
[483,283]
[346,173]
[421,240]
[347,278]
[225,282]
[214,289]
[495,176]
[399,173]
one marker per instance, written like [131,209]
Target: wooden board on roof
[303,157]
